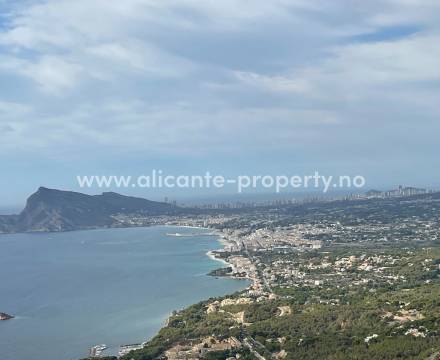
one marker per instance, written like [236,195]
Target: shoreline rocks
[4,316]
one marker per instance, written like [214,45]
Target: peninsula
[49,210]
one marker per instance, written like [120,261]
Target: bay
[70,291]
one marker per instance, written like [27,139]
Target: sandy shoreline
[224,242]
[212,256]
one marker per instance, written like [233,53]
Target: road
[249,343]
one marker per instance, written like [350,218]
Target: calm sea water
[70,291]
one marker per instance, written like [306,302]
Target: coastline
[186,226]
[134,320]
[212,256]
[242,269]
[224,243]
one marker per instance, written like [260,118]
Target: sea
[73,290]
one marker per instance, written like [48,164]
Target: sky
[98,87]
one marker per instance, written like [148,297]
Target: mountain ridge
[50,210]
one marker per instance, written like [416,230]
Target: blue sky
[96,87]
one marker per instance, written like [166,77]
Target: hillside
[56,210]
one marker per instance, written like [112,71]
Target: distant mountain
[8,223]
[56,210]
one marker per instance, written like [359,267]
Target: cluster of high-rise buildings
[399,192]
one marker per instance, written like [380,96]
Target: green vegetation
[221,272]
[191,323]
[377,321]
[339,332]
[222,355]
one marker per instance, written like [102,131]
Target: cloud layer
[344,82]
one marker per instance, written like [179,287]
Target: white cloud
[55,43]
[53,74]
[12,110]
[356,71]
[137,56]
[280,74]
[273,83]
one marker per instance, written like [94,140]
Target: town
[372,265]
